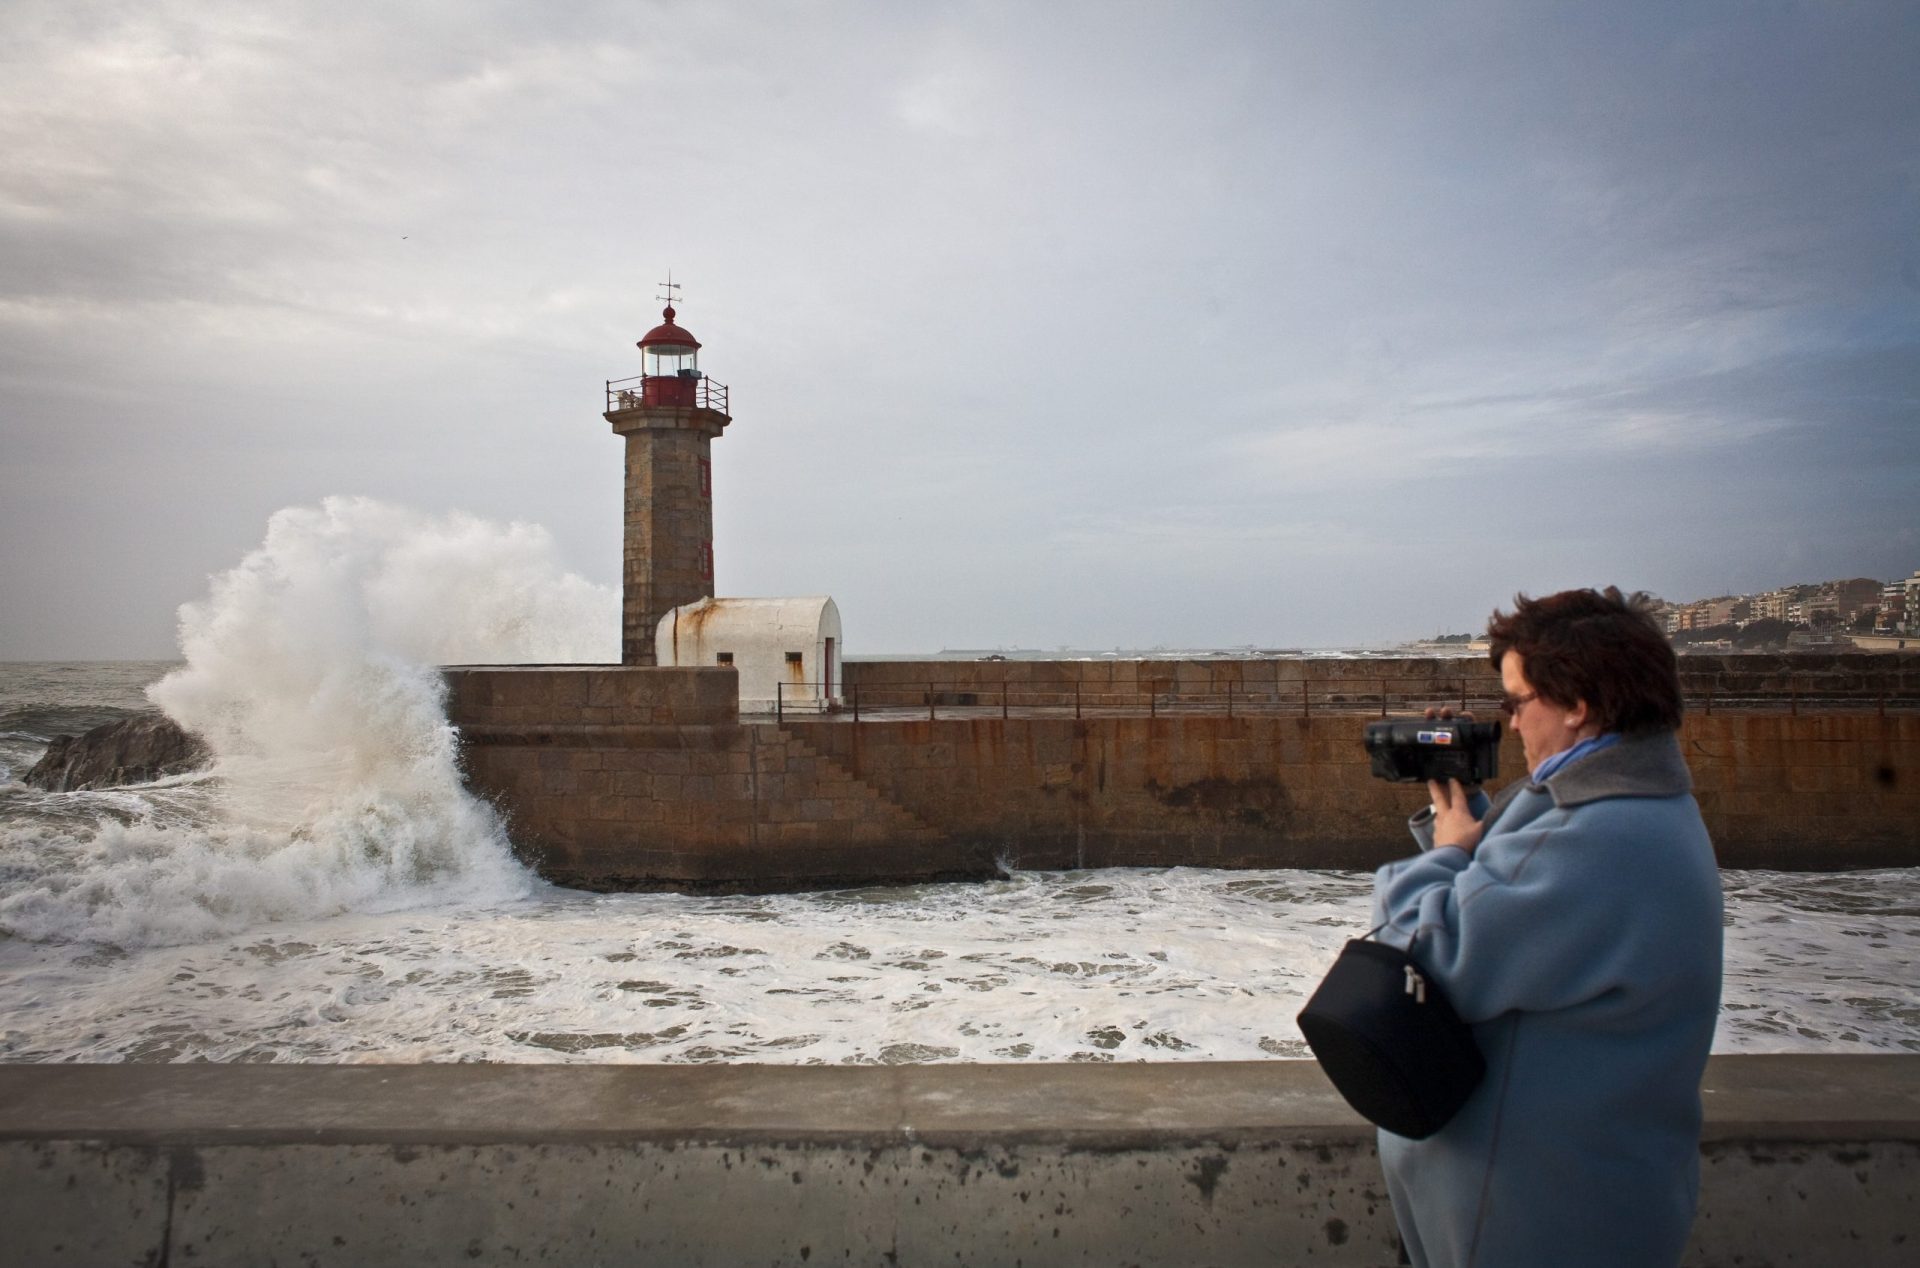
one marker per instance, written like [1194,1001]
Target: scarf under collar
[1566,756]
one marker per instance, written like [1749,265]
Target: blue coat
[1582,942]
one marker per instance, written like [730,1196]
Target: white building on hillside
[785,650]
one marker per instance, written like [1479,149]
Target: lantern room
[671,377]
[670,364]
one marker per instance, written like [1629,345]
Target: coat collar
[1638,766]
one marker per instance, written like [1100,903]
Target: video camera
[1415,750]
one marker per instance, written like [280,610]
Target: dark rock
[135,750]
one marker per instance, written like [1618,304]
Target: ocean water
[327,891]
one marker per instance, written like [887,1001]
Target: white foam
[1125,965]
[335,787]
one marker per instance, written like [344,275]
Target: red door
[826,673]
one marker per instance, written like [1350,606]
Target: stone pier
[627,778]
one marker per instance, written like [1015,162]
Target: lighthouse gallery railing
[631,393]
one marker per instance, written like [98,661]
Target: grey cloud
[1230,322]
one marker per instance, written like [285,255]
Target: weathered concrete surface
[1808,1160]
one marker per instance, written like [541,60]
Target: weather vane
[670,286]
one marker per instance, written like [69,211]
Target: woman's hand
[1453,821]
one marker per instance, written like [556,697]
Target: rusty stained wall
[1406,679]
[1114,791]
[616,779]
[1125,678]
[1807,792]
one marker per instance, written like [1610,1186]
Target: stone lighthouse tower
[670,415]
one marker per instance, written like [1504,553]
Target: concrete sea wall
[1806,1160]
[615,778]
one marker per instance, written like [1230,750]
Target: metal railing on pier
[1381,697]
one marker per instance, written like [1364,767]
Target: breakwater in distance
[613,778]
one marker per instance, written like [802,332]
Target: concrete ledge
[1111,1106]
[1808,1159]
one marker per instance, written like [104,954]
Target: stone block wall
[1839,676]
[634,778]
[1808,792]
[1133,791]
[589,695]
[616,778]
[667,556]
[1405,680]
[1128,684]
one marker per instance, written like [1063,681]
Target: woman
[1574,921]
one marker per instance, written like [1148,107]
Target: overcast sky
[1104,324]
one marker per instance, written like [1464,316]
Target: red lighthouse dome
[668,339]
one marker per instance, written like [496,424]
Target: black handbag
[1390,1042]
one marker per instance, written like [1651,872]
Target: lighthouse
[670,414]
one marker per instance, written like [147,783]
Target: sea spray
[310,672]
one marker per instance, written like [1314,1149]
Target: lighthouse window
[669,360]
[723,658]
[793,658]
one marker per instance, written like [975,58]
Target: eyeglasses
[1511,705]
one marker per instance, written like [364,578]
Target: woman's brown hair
[1596,646]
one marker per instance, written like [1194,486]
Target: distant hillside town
[1857,613]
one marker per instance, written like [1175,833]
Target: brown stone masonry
[617,778]
[628,778]
[1710,681]
[668,552]
[1794,792]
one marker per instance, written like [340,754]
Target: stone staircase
[815,788]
